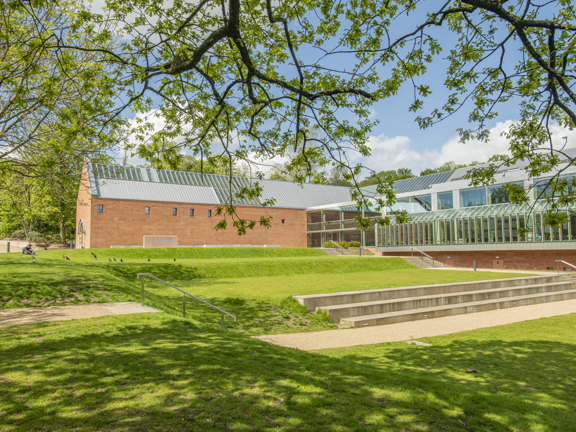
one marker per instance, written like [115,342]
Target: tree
[447,166]
[43,87]
[213,165]
[391,176]
[247,73]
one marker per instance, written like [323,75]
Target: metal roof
[110,181]
[292,195]
[415,183]
[150,191]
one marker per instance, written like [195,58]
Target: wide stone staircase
[396,305]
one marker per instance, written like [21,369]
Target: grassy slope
[156,372]
[257,290]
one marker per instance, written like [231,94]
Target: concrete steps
[394,305]
[424,262]
[336,251]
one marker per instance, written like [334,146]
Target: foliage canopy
[252,77]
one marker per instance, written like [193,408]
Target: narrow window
[191,212]
[282,220]
[147,210]
[209,213]
[174,212]
[100,208]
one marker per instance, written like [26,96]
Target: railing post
[558,266]
[142,291]
[183,305]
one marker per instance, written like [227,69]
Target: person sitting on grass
[27,250]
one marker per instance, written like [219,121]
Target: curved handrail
[186,294]
[562,261]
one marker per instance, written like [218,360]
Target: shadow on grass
[144,373]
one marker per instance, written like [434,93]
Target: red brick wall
[123,223]
[513,260]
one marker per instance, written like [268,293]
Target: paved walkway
[418,329]
[12,317]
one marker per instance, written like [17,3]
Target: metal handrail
[341,248]
[423,253]
[562,261]
[222,312]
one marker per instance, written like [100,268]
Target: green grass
[157,372]
[257,290]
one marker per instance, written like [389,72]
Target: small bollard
[8,247]
[474,265]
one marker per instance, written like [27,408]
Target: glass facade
[338,224]
[543,188]
[445,200]
[478,225]
[473,197]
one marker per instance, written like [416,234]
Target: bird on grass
[67,257]
[33,257]
[92,252]
[148,259]
[114,259]
[121,260]
[109,260]
[63,257]
[174,259]
[96,259]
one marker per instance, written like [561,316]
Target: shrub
[355,244]
[19,234]
[344,244]
[36,237]
[330,245]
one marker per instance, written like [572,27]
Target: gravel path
[418,329]
[12,317]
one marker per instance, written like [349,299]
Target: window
[473,197]
[445,201]
[100,208]
[209,213]
[421,203]
[146,210]
[282,220]
[500,194]
[191,212]
[174,212]
[549,188]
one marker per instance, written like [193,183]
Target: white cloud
[396,152]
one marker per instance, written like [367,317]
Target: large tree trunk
[62,231]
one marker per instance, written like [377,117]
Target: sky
[398,142]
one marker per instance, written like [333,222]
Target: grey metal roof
[415,183]
[150,191]
[292,195]
[112,181]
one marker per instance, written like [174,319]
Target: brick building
[119,207]
[450,221]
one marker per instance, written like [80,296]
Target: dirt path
[418,329]
[12,317]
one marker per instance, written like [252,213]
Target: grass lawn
[248,283]
[159,372]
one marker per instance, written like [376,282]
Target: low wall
[513,260]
